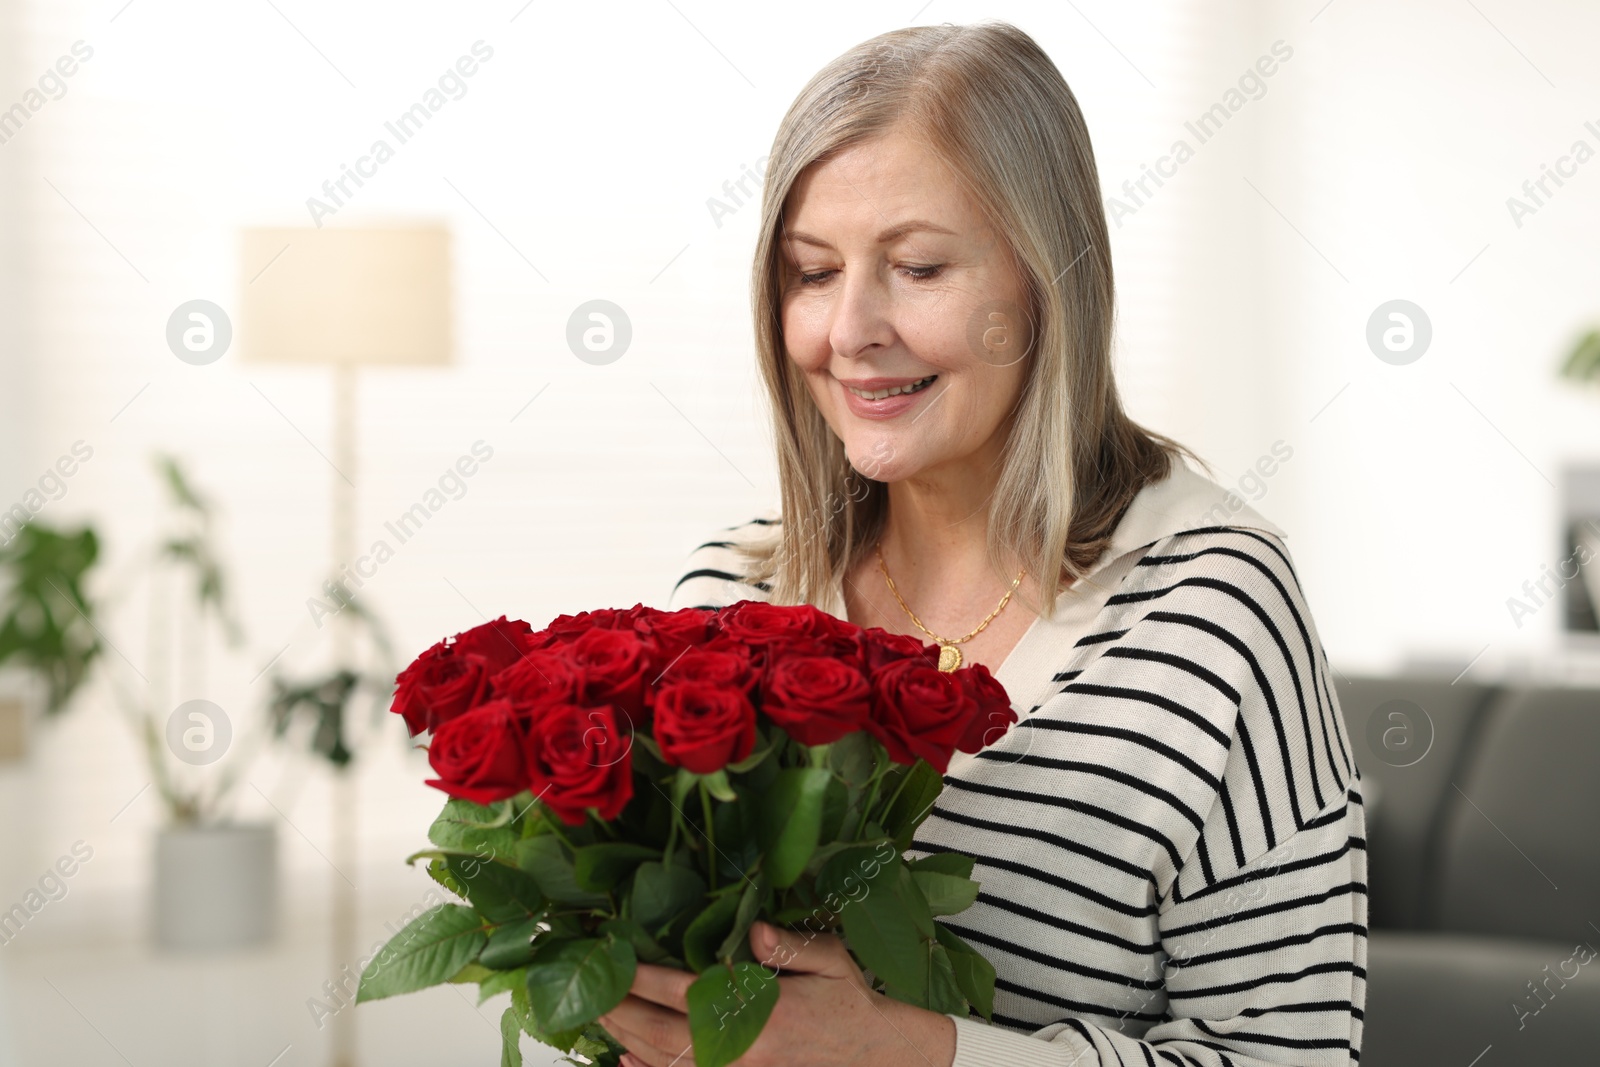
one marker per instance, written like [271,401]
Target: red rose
[920,711]
[541,676]
[479,756]
[686,627]
[578,758]
[438,686]
[703,728]
[453,675]
[759,624]
[721,663]
[879,648]
[613,664]
[994,714]
[816,700]
[566,628]
[668,635]
[500,643]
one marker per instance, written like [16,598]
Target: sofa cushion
[1412,755]
[1437,998]
[1520,845]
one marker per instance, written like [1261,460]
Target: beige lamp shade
[347,295]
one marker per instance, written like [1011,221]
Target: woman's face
[894,280]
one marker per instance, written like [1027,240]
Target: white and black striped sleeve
[714,572]
[1201,715]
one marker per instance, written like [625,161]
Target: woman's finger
[656,1034]
[800,952]
[638,1048]
[663,985]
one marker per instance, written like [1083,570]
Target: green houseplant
[215,877]
[45,606]
[1582,367]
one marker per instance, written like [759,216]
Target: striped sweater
[1171,841]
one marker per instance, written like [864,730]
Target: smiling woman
[1171,842]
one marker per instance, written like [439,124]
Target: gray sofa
[1484,871]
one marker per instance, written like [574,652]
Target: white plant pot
[216,886]
[21,702]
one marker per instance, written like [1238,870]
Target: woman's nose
[861,314]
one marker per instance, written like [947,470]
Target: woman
[1170,841]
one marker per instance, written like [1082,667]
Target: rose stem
[898,789]
[711,837]
[866,810]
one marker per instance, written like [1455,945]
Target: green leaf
[573,983]
[911,899]
[941,994]
[645,947]
[946,894]
[953,863]
[944,993]
[738,836]
[604,1051]
[885,929]
[501,894]
[825,853]
[1583,362]
[427,951]
[499,982]
[48,622]
[974,975]
[708,930]
[750,762]
[439,872]
[850,870]
[565,1040]
[750,901]
[921,787]
[716,784]
[511,945]
[728,1007]
[792,822]
[797,914]
[476,829]
[835,806]
[472,972]
[545,859]
[660,892]
[853,759]
[510,1040]
[601,867]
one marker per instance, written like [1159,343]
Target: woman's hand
[826,1015]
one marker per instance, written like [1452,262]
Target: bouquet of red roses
[636,784]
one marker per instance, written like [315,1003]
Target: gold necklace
[949,654]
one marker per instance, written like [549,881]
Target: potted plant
[42,636]
[1582,365]
[215,877]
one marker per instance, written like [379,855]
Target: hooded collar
[1184,500]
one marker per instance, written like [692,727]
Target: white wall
[577,165]
[585,150]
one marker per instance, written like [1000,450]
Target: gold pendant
[949,657]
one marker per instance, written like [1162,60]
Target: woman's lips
[890,406]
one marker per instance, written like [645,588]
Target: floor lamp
[345,297]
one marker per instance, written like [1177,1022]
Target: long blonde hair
[992,104]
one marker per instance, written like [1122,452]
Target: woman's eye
[920,274]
